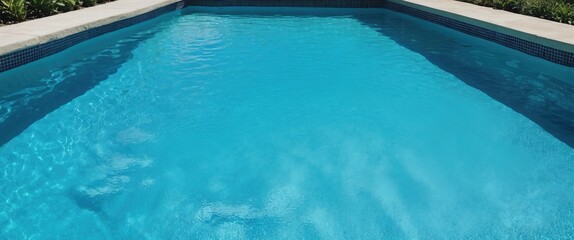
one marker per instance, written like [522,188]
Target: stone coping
[39,31]
[544,32]
[17,42]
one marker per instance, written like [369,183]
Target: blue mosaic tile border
[33,53]
[531,48]
[292,3]
[30,54]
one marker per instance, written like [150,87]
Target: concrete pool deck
[35,32]
[541,31]
[17,37]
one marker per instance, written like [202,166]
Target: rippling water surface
[369,125]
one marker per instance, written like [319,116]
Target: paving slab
[11,41]
[39,31]
[22,35]
[548,33]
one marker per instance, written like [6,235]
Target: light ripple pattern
[251,125]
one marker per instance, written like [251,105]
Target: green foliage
[509,5]
[42,8]
[488,3]
[88,3]
[555,10]
[17,10]
[67,5]
[541,9]
[13,10]
[563,12]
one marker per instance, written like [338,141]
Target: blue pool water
[287,124]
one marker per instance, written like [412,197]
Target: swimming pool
[289,123]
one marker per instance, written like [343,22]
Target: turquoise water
[322,125]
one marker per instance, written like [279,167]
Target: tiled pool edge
[291,3]
[532,48]
[31,53]
[514,41]
[35,52]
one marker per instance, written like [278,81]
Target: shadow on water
[539,90]
[30,92]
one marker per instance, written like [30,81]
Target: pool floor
[323,125]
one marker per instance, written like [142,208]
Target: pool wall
[292,3]
[29,41]
[18,47]
[529,43]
